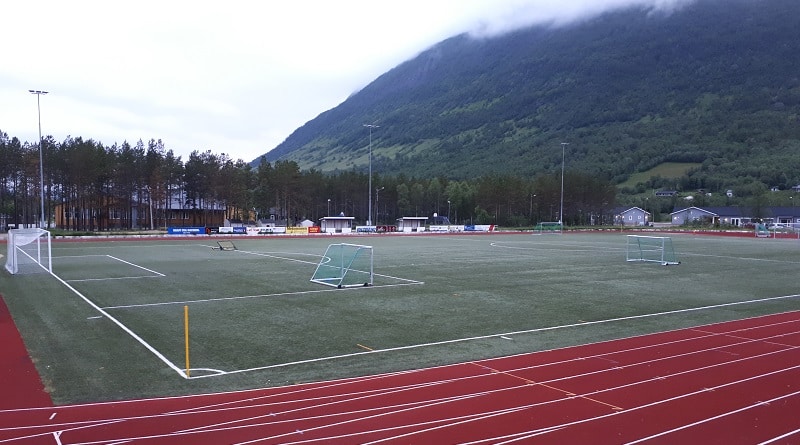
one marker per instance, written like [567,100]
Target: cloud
[234,77]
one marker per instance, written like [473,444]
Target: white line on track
[446,422]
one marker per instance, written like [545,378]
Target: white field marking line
[763,260]
[155,274]
[560,247]
[136,265]
[112,279]
[784,436]
[717,417]
[123,327]
[244,297]
[527,331]
[527,434]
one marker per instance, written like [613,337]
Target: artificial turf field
[110,324]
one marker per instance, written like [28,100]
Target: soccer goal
[656,249]
[29,251]
[345,265]
[547,227]
[762,231]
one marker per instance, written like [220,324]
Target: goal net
[547,227]
[656,249]
[29,251]
[345,265]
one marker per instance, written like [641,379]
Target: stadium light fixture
[369,198]
[38,94]
[561,213]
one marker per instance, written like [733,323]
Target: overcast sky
[231,77]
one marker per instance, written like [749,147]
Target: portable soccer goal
[345,265]
[657,249]
[29,251]
[225,245]
[547,227]
[762,231]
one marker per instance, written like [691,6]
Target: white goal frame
[31,249]
[546,227]
[657,249]
[345,265]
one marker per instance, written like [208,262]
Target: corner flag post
[186,336]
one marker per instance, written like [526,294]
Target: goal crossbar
[29,251]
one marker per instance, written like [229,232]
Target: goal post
[657,249]
[345,265]
[29,251]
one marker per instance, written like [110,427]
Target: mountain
[714,83]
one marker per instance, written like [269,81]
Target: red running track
[728,383]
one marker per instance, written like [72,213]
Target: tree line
[85,174]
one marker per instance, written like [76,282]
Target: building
[735,216]
[633,216]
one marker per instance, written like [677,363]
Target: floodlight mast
[38,94]
[369,198]
[561,213]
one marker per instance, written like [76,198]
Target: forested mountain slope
[715,82]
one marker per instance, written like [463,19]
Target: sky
[230,77]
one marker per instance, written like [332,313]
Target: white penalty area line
[155,274]
[245,297]
[127,330]
[507,334]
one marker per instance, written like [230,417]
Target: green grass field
[111,326]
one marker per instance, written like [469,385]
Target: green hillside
[666,172]
[714,85]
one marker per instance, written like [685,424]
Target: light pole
[38,94]
[448,211]
[369,199]
[377,210]
[329,207]
[561,214]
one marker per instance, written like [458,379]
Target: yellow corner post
[186,336]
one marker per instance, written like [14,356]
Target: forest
[85,174]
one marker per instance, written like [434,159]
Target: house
[633,216]
[734,216]
[694,214]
